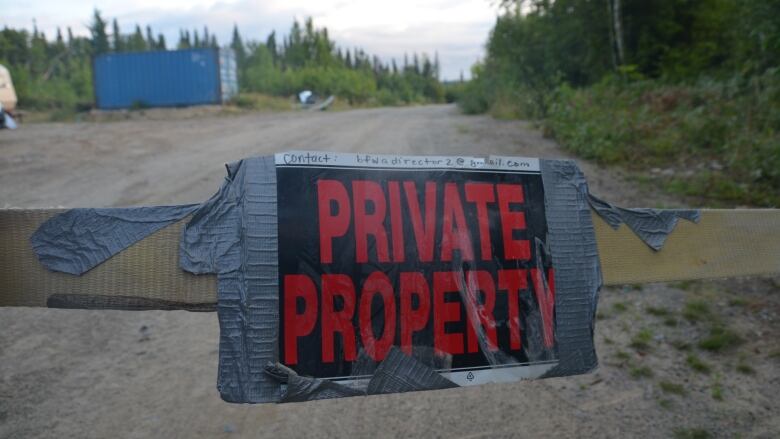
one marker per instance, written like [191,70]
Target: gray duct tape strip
[234,234]
[401,373]
[572,242]
[652,226]
[78,240]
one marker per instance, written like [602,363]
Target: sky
[456,29]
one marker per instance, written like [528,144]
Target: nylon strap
[725,243]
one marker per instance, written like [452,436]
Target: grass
[665,403]
[657,311]
[640,372]
[745,368]
[641,340]
[717,390]
[670,321]
[691,433]
[673,388]
[717,142]
[619,307]
[697,364]
[681,345]
[696,310]
[262,102]
[720,339]
[623,356]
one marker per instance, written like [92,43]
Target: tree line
[56,73]
[307,58]
[536,45]
[690,88]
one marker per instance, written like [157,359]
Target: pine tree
[238,47]
[270,43]
[196,41]
[117,37]
[99,36]
[60,42]
[137,41]
[151,42]
[161,42]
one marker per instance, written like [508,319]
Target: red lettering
[331,226]
[443,312]
[333,321]
[298,325]
[369,224]
[377,283]
[513,281]
[481,313]
[412,320]
[513,248]
[481,194]
[454,236]
[423,233]
[545,296]
[395,221]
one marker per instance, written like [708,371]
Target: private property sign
[440,256]
[344,274]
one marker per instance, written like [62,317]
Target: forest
[685,93]
[55,74]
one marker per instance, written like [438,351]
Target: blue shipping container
[168,78]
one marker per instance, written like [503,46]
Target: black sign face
[444,262]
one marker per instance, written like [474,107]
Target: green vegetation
[720,338]
[691,433]
[641,340]
[640,372]
[697,364]
[717,391]
[674,388]
[696,310]
[681,345]
[308,59]
[55,75]
[657,311]
[685,93]
[670,321]
[619,307]
[745,368]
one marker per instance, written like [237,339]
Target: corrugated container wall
[168,78]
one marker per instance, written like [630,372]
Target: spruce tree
[99,36]
[117,37]
[151,42]
[237,44]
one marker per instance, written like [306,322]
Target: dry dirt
[66,373]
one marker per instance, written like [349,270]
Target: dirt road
[70,373]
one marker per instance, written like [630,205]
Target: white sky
[457,29]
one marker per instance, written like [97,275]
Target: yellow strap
[144,276]
[147,276]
